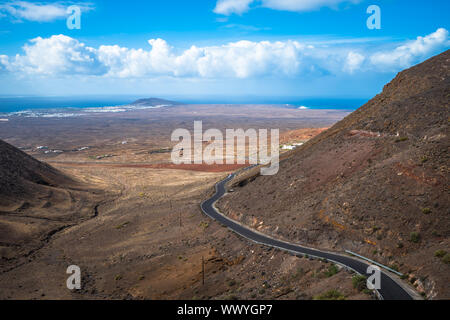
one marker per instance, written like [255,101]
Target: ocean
[17,104]
[69,106]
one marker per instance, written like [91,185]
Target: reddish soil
[191,167]
[300,135]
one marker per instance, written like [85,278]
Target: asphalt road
[390,289]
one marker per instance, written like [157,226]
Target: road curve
[390,289]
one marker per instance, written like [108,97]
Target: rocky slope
[22,175]
[36,201]
[375,183]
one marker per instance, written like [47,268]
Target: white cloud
[240,59]
[37,11]
[61,55]
[57,55]
[228,7]
[124,62]
[353,62]
[407,54]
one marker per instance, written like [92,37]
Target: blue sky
[305,48]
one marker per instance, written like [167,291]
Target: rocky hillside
[22,175]
[375,183]
[36,201]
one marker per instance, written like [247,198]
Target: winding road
[390,288]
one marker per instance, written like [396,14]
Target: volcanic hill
[152,102]
[376,183]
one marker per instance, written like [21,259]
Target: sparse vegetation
[123,225]
[332,270]
[440,253]
[443,255]
[375,228]
[426,210]
[330,295]
[231,282]
[162,150]
[367,291]
[401,139]
[394,267]
[414,237]
[359,282]
[204,224]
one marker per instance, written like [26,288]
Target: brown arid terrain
[375,183]
[36,201]
[143,135]
[131,221]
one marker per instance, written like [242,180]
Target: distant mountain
[152,102]
[376,183]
